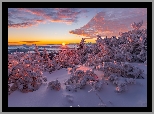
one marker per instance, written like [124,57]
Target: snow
[107,75]
[135,96]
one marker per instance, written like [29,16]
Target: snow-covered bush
[130,81]
[68,81]
[121,88]
[108,55]
[56,85]
[98,85]
[64,59]
[113,77]
[72,88]
[80,79]
[24,74]
[122,83]
[46,61]
[44,78]
[79,73]
[83,83]
[131,71]
[91,75]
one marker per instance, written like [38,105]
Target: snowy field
[110,73]
[135,96]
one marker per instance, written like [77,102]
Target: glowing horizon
[43,26]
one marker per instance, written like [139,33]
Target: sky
[43,26]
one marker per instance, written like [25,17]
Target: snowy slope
[135,96]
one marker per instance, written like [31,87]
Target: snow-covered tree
[46,60]
[24,74]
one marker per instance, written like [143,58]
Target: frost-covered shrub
[79,73]
[44,78]
[80,79]
[121,69]
[121,88]
[83,83]
[108,55]
[112,77]
[131,71]
[120,82]
[72,88]
[130,81]
[24,74]
[98,85]
[56,85]
[68,81]
[66,58]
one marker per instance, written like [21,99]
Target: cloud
[12,42]
[30,41]
[26,17]
[24,24]
[110,22]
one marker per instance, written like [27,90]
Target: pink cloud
[111,23]
[35,16]
[25,24]
[18,25]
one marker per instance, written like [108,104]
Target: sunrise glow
[63,44]
[43,26]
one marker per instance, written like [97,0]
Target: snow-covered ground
[135,96]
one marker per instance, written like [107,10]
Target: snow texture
[110,73]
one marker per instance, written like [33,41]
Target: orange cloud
[13,42]
[30,41]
